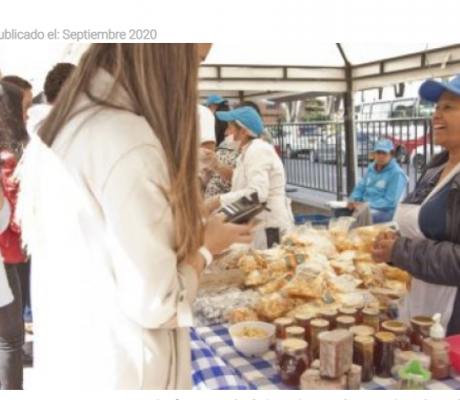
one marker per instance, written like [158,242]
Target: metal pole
[349,124]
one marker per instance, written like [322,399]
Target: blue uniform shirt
[381,189]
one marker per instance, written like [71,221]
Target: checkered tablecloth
[213,353]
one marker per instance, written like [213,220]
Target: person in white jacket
[259,169]
[112,213]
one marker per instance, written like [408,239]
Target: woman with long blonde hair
[112,213]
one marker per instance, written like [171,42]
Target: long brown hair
[162,81]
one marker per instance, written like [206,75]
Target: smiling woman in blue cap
[429,220]
[259,169]
[382,186]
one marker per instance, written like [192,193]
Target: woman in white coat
[112,213]
[259,169]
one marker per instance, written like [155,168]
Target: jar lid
[294,345]
[345,319]
[422,321]
[295,330]
[373,304]
[373,312]
[362,330]
[365,340]
[348,311]
[328,313]
[385,337]
[394,327]
[319,323]
[305,316]
[283,321]
[354,304]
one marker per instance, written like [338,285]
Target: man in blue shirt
[382,186]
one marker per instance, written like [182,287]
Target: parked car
[405,121]
[326,151]
[298,140]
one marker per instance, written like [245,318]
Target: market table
[217,365]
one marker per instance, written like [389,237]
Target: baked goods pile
[315,269]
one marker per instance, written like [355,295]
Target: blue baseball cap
[246,117]
[432,90]
[385,145]
[215,99]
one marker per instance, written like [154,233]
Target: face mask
[230,143]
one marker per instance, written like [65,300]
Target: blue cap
[432,90]
[246,117]
[215,99]
[385,145]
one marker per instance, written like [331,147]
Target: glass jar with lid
[304,320]
[384,354]
[399,329]
[362,330]
[295,332]
[293,361]
[318,326]
[348,312]
[331,317]
[363,355]
[420,331]
[371,317]
[281,324]
[345,322]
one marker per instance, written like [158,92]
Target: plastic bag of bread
[368,235]
[241,314]
[271,307]
[275,285]
[257,277]
[343,262]
[248,263]
[229,259]
[370,273]
[393,273]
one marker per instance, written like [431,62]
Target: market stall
[313,313]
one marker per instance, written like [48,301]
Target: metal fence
[314,154]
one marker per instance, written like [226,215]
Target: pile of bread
[315,269]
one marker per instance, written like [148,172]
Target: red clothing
[10,240]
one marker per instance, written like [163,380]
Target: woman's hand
[353,205]
[212,204]
[382,252]
[220,235]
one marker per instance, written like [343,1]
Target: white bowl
[252,346]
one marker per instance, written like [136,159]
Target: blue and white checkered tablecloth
[213,352]
[210,372]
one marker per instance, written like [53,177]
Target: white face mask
[230,143]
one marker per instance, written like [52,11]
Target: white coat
[111,303]
[259,169]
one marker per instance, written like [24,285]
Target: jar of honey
[402,341]
[303,320]
[384,354]
[281,324]
[371,317]
[362,330]
[345,322]
[318,326]
[295,332]
[363,355]
[293,361]
[331,317]
[420,331]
